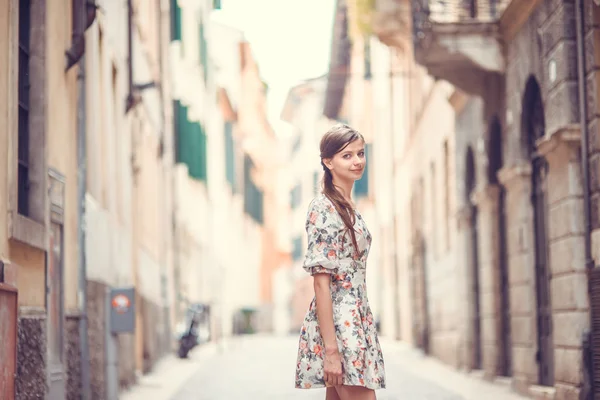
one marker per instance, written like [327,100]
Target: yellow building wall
[61,134]
[4,95]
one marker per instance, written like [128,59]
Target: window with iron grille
[23,96]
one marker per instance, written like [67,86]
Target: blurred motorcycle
[194,330]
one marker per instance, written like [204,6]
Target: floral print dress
[330,250]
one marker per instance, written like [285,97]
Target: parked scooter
[193,330]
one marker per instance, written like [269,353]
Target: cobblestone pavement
[262,368]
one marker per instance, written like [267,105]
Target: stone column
[521,265]
[487,201]
[568,282]
[465,305]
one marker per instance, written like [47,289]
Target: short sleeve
[323,227]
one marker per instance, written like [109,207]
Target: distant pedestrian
[338,347]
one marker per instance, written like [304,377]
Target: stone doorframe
[568,279]
[466,353]
[487,201]
[565,236]
[516,180]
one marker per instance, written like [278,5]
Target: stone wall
[155,342]
[73,357]
[592,53]
[545,51]
[31,382]
[96,335]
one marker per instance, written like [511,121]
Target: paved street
[262,367]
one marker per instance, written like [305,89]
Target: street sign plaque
[122,310]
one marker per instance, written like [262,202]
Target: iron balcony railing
[429,13]
[457,11]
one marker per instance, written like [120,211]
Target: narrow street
[262,367]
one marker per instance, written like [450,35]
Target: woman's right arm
[323,227]
[332,360]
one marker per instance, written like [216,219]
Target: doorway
[533,128]
[495,157]
[473,257]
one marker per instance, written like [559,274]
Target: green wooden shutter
[253,196]
[190,143]
[175,21]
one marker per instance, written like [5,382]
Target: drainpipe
[131,100]
[589,261]
[81,191]
[164,275]
[582,92]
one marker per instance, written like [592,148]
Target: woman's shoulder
[322,206]
[321,202]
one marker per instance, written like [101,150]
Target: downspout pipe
[582,92]
[589,261]
[131,100]
[81,213]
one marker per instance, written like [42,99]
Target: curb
[168,375]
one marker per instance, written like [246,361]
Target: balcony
[391,22]
[459,40]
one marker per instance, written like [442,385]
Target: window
[27,190]
[447,194]
[361,186]
[229,155]
[253,196]
[296,196]
[297,249]
[316,183]
[367,58]
[203,49]
[433,211]
[23,105]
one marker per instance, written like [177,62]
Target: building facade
[124,170]
[303,110]
[496,186]
[487,231]
[40,245]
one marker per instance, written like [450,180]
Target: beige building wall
[25,239]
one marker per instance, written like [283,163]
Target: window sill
[26,231]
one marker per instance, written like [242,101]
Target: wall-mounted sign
[122,310]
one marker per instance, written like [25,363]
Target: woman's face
[348,165]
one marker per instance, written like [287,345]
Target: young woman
[339,348]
